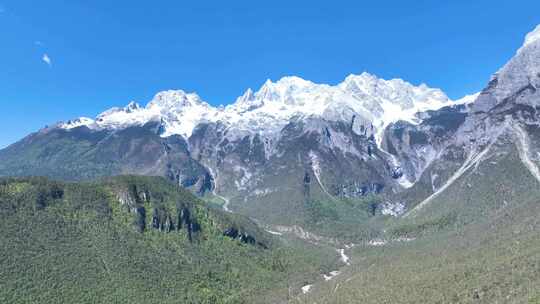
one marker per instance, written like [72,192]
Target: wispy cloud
[47,59]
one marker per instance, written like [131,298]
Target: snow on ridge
[269,109]
[74,123]
[467,99]
[532,37]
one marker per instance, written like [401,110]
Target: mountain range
[367,160]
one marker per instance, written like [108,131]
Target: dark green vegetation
[353,220]
[92,243]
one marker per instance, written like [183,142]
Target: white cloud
[47,59]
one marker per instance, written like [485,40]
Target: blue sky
[64,59]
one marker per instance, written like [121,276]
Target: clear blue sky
[104,53]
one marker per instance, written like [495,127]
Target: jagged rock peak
[395,90]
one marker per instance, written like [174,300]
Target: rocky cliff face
[154,205]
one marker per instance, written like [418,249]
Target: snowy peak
[284,90]
[289,84]
[370,99]
[396,91]
[247,97]
[175,99]
[77,122]
[532,37]
[246,102]
[361,93]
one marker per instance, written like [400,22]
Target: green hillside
[88,243]
[478,242]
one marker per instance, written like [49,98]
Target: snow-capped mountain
[363,98]
[332,134]
[293,141]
